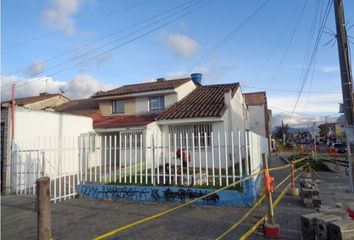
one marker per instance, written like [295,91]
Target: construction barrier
[144,220]
[264,218]
[258,203]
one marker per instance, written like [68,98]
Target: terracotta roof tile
[84,107]
[204,101]
[33,99]
[255,98]
[144,87]
[122,121]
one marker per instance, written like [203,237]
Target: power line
[123,44]
[276,45]
[289,44]
[189,4]
[314,52]
[319,2]
[227,37]
[287,90]
[79,24]
[288,113]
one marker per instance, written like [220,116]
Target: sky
[80,47]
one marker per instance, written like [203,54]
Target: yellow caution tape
[259,202]
[263,219]
[115,231]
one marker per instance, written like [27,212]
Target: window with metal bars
[125,139]
[202,135]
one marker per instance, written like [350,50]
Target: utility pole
[314,141]
[346,80]
[283,132]
[326,117]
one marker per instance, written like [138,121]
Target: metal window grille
[127,138]
[198,130]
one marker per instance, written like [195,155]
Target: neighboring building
[44,101]
[84,107]
[259,113]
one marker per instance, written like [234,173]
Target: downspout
[227,100]
[9,188]
[13,115]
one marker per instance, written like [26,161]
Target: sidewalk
[85,219]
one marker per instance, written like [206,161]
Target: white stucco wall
[258,146]
[257,120]
[184,89]
[31,124]
[47,143]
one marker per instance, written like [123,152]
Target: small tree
[278,132]
[324,130]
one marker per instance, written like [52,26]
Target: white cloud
[313,110]
[36,68]
[59,16]
[317,104]
[81,86]
[182,45]
[329,69]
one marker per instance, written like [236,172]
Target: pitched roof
[84,107]
[33,99]
[204,101]
[255,98]
[144,87]
[122,121]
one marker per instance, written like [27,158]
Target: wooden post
[270,201]
[293,190]
[270,229]
[43,209]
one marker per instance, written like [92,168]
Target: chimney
[160,79]
[197,78]
[43,94]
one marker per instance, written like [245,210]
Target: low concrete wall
[173,194]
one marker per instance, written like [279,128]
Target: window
[130,137]
[204,131]
[156,103]
[118,106]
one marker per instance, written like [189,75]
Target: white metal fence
[215,159]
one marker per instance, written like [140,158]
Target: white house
[177,114]
[167,131]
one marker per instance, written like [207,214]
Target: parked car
[340,147]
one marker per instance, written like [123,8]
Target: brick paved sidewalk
[85,219]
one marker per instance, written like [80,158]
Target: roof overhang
[189,120]
[138,94]
[125,129]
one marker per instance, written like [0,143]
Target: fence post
[271,229]
[294,191]
[43,209]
